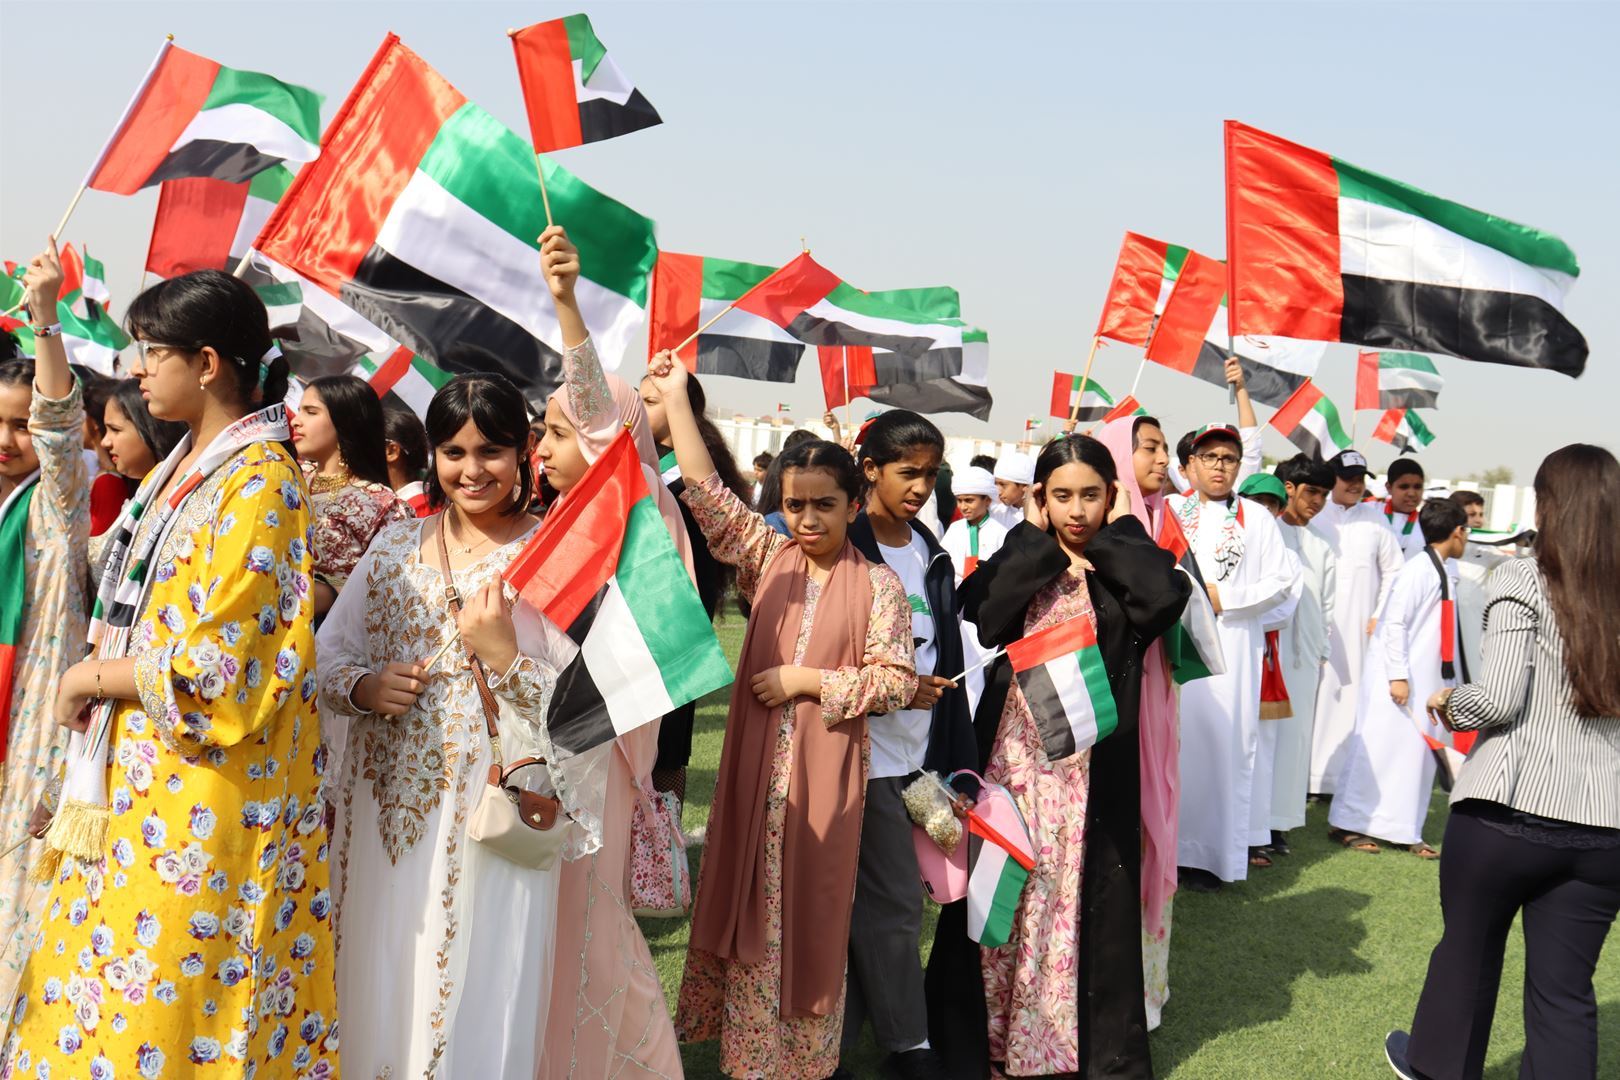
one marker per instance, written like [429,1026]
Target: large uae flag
[1396,380]
[422,215]
[951,376]
[1311,422]
[194,117]
[690,290]
[573,91]
[204,224]
[1144,274]
[1327,251]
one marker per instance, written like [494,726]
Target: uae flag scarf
[14,587]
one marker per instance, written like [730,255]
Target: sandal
[1259,858]
[1354,841]
[1423,851]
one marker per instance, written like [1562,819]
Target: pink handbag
[944,876]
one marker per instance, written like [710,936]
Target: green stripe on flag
[1420,431]
[1175,257]
[491,170]
[1408,360]
[296,106]
[903,305]
[1330,415]
[583,45]
[666,608]
[998,920]
[436,376]
[271,184]
[724,279]
[1095,677]
[1532,246]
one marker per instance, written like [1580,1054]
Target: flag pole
[695,334]
[849,411]
[61,226]
[1231,256]
[1085,377]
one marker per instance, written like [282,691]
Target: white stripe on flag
[607,83]
[621,666]
[1064,672]
[744,324]
[943,337]
[1378,242]
[975,364]
[1404,378]
[255,212]
[982,885]
[238,122]
[1316,424]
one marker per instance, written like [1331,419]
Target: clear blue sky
[999,148]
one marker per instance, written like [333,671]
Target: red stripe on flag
[862,368]
[834,384]
[1133,293]
[1063,387]
[677,303]
[784,295]
[546,72]
[337,203]
[1188,313]
[392,370]
[8,665]
[1292,411]
[1282,237]
[1448,631]
[72,270]
[576,550]
[171,99]
[1367,379]
[196,221]
[1124,408]
[977,824]
[1389,425]
[1069,636]
[1171,536]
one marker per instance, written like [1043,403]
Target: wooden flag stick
[72,206]
[545,199]
[695,334]
[976,666]
[1138,380]
[454,637]
[1085,377]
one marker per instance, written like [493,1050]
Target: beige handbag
[515,823]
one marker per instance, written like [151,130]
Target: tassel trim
[1276,710]
[79,829]
[46,867]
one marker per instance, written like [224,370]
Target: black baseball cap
[1347,464]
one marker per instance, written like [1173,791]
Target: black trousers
[1569,897]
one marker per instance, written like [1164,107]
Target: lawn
[1296,973]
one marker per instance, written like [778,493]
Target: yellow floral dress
[201,943]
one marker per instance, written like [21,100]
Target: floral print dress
[345,515]
[1031,983]
[200,945]
[736,1002]
[52,640]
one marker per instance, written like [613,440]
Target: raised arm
[43,282]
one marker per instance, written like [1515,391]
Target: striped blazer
[1534,752]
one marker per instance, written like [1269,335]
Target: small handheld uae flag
[604,569]
[1060,670]
[84,281]
[1326,251]
[1066,387]
[1396,380]
[1193,645]
[1144,274]
[1000,857]
[194,117]
[1310,422]
[1403,429]
[688,291]
[572,89]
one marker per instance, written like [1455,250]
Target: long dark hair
[813,453]
[770,488]
[1577,503]
[493,403]
[404,429]
[160,436]
[210,308]
[357,417]
[1072,449]
[892,436]
[725,463]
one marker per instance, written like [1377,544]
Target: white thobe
[1366,560]
[1388,770]
[1305,647]
[1473,571]
[1220,715]
[957,543]
[1006,516]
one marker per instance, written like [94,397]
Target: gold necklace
[467,549]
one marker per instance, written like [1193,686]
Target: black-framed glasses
[1218,461]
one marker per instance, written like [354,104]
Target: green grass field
[1296,973]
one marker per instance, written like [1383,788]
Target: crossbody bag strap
[453,597]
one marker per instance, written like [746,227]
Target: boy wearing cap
[1405,485]
[1383,792]
[1015,471]
[1306,643]
[1366,559]
[972,539]
[1248,426]
[1250,576]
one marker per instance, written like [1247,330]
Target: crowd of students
[253,772]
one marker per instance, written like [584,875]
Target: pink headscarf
[627,411]
[1157,718]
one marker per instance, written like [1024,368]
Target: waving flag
[194,117]
[1193,645]
[1396,380]
[1327,251]
[951,375]
[1144,274]
[204,224]
[1403,429]
[422,214]
[604,568]
[1097,403]
[690,290]
[572,89]
[1311,422]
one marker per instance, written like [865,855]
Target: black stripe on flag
[1047,710]
[313,347]
[749,358]
[213,158]
[936,396]
[815,330]
[934,364]
[1408,397]
[601,119]
[578,717]
[433,319]
[1266,384]
[1474,324]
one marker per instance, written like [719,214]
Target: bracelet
[98,677]
[53,330]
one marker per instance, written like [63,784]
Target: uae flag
[1396,380]
[1193,645]
[403,378]
[951,376]
[422,214]
[1311,422]
[204,224]
[1096,405]
[1144,274]
[1000,857]
[1192,337]
[319,333]
[1327,251]
[690,290]
[1061,673]
[573,91]
[84,281]
[1403,429]
[194,117]
[604,567]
